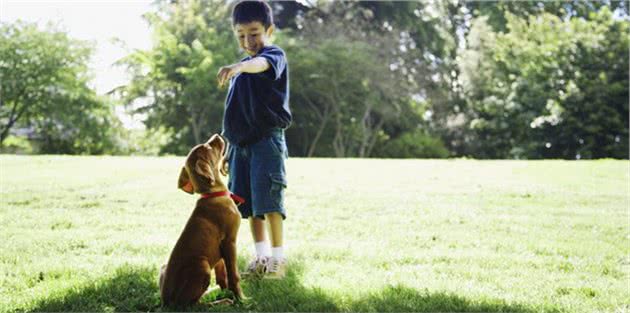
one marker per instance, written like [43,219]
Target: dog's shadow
[130,288]
[135,289]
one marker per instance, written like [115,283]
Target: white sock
[277,252]
[262,249]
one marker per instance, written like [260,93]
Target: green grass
[90,233]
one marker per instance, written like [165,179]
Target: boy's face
[252,36]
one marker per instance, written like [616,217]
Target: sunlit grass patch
[90,233]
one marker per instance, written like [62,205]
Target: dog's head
[203,165]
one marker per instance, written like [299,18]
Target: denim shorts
[258,175]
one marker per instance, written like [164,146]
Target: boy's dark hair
[252,11]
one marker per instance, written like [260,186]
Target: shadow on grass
[135,289]
[128,289]
[405,299]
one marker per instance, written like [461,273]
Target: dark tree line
[515,79]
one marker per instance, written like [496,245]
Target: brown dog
[209,238]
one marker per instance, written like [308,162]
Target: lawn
[90,233]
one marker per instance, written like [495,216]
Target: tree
[177,78]
[343,85]
[548,87]
[450,113]
[496,12]
[83,125]
[594,120]
[375,84]
[427,36]
[44,85]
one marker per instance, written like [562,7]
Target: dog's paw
[226,301]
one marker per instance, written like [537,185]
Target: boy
[256,114]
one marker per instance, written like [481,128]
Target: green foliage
[335,112]
[177,78]
[416,144]
[147,141]
[497,12]
[45,87]
[345,97]
[596,107]
[17,145]
[514,79]
[518,85]
[548,88]
[93,130]
[344,91]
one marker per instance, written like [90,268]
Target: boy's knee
[273,216]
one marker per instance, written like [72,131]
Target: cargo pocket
[278,184]
[279,146]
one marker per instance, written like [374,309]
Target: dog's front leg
[221,274]
[228,251]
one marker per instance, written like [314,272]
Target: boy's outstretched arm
[255,65]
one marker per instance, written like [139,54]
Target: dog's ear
[203,168]
[184,182]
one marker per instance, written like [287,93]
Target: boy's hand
[227,72]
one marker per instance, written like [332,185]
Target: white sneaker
[276,268]
[257,266]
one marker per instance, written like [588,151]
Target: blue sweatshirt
[258,103]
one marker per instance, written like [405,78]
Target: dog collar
[234,197]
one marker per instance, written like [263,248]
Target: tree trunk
[338,142]
[366,126]
[374,138]
[11,121]
[320,131]
[196,124]
[323,117]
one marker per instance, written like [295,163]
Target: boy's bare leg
[276,268]
[275,228]
[257,226]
